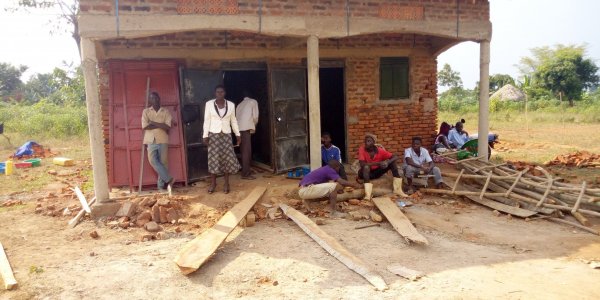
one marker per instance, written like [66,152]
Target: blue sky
[519,25]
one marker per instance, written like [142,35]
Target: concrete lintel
[241,54]
[101,27]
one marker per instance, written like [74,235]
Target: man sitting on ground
[418,161]
[316,185]
[374,162]
[329,152]
[458,136]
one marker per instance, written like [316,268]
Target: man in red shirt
[374,163]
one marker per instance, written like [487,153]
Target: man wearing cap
[375,161]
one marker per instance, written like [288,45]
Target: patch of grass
[538,138]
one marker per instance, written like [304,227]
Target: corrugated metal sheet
[128,89]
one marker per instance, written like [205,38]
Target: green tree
[565,71]
[499,80]
[62,87]
[10,78]
[449,78]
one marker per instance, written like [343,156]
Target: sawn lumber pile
[523,194]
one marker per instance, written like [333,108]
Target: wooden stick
[6,271]
[575,225]
[462,161]
[458,193]
[545,193]
[578,202]
[580,218]
[485,186]
[82,199]
[331,245]
[143,148]
[367,226]
[512,187]
[473,176]
[457,180]
[73,222]
[487,167]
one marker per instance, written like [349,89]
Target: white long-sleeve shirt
[457,139]
[215,123]
[247,114]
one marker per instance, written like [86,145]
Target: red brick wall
[394,122]
[468,10]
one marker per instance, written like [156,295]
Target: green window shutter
[394,78]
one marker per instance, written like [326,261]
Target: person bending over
[321,183]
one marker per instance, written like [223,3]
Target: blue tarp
[26,149]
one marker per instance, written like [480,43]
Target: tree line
[60,87]
[563,73]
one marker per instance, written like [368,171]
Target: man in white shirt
[418,161]
[247,117]
[458,136]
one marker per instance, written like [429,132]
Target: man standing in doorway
[247,116]
[156,122]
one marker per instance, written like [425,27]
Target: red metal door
[128,95]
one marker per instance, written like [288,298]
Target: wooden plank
[399,221]
[334,248]
[73,222]
[405,272]
[515,211]
[199,250]
[6,271]
[82,199]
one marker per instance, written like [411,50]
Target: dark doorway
[255,82]
[333,106]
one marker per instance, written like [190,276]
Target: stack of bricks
[433,10]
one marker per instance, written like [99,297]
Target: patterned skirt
[221,157]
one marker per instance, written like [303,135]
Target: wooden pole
[484,99]
[94,109]
[143,148]
[331,245]
[457,180]
[73,222]
[6,271]
[314,102]
[578,202]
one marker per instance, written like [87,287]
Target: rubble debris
[580,159]
[94,234]
[152,226]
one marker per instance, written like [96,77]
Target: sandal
[211,189]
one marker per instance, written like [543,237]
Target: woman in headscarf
[441,141]
[219,122]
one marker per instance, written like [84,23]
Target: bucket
[23,165]
[305,170]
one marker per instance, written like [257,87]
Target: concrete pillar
[90,74]
[314,102]
[484,98]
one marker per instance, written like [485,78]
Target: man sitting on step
[321,183]
[374,163]
[418,161]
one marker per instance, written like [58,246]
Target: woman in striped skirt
[219,122]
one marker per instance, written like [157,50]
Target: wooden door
[289,118]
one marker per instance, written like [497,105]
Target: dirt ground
[473,254]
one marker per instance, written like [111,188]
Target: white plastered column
[314,106]
[89,64]
[484,98]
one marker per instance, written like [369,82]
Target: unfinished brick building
[343,66]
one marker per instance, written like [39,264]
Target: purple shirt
[320,175]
